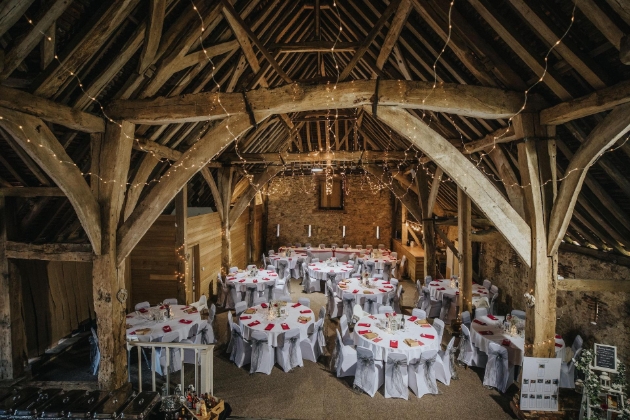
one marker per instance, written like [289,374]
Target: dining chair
[518,313]
[346,338]
[422,373]
[445,364]
[469,354]
[142,305]
[169,301]
[305,301]
[396,376]
[233,269]
[289,352]
[419,313]
[241,353]
[479,312]
[240,307]
[487,284]
[384,309]
[499,373]
[369,375]
[345,358]
[262,356]
[314,344]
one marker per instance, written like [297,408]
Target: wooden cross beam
[472,101]
[50,252]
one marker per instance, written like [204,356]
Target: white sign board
[540,386]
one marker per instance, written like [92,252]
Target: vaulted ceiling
[86,53]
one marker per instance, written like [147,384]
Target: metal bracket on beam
[375,101]
[250,112]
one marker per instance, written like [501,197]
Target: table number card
[539,386]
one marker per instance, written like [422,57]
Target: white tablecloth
[436,286]
[517,344]
[262,280]
[341,254]
[291,320]
[380,290]
[137,320]
[379,261]
[320,270]
[292,260]
[382,348]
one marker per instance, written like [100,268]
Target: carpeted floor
[312,392]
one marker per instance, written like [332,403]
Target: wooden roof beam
[153,34]
[474,101]
[50,111]
[31,192]
[593,103]
[399,20]
[50,252]
[314,46]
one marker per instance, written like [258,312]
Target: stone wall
[574,316]
[293,203]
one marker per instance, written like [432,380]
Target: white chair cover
[230,343]
[487,284]
[322,312]
[175,355]
[170,301]
[299,269]
[307,282]
[344,358]
[466,319]
[419,313]
[493,303]
[260,299]
[222,291]
[577,344]
[346,338]
[348,304]
[518,313]
[335,305]
[371,305]
[498,372]
[241,353]
[422,374]
[240,307]
[234,296]
[384,309]
[397,302]
[313,346]
[285,299]
[271,267]
[369,374]
[468,354]
[567,371]
[418,297]
[358,313]
[262,358]
[250,294]
[396,376]
[233,269]
[445,365]
[479,312]
[142,305]
[449,308]
[427,280]
[438,324]
[201,304]
[288,352]
[305,301]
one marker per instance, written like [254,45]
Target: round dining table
[260,318]
[439,288]
[241,279]
[376,287]
[292,260]
[320,270]
[487,329]
[380,260]
[140,325]
[416,337]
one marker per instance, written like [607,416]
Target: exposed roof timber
[475,101]
[314,46]
[599,101]
[315,157]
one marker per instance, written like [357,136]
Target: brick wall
[613,325]
[293,203]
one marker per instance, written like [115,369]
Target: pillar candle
[277,230]
[343,234]
[309,231]
[378,232]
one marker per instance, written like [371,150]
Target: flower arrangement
[253,272]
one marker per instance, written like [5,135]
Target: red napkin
[284,326]
[296,305]
[382,290]
[428,336]
[166,328]
[425,326]
[290,259]
[558,345]
[486,333]
[132,333]
[492,317]
[558,336]
[265,278]
[244,317]
[505,342]
[388,286]
[355,291]
[476,321]
[361,332]
[364,324]
[129,316]
[386,282]
[241,280]
[311,265]
[162,307]
[253,324]
[307,311]
[457,292]
[185,321]
[420,343]
[435,284]
[255,280]
[264,305]
[143,310]
[315,269]
[372,317]
[442,288]
[269,327]
[413,318]
[273,275]
[377,339]
[393,344]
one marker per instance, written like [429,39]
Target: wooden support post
[428,226]
[224,182]
[404,232]
[12,334]
[464,228]
[541,318]
[111,157]
[184,289]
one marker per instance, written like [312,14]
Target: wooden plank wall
[256,239]
[205,230]
[57,299]
[154,264]
[240,241]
